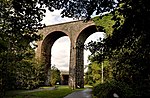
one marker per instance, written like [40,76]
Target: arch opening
[46,51]
[93,37]
[61,53]
[60,58]
[80,53]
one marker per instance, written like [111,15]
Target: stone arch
[83,35]
[46,47]
[78,32]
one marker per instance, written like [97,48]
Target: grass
[88,86]
[60,92]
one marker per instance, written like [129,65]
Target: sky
[61,48]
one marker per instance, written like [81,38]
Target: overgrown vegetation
[19,22]
[94,74]
[108,89]
[105,22]
[126,50]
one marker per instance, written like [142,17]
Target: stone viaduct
[78,32]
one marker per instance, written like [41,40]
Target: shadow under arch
[46,48]
[84,34]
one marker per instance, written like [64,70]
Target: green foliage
[94,74]
[29,74]
[80,8]
[19,22]
[96,48]
[55,75]
[127,48]
[107,90]
[106,22]
[23,74]
[129,45]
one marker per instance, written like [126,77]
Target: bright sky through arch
[60,50]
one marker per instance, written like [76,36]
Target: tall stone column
[76,68]
[48,73]
[72,67]
[80,64]
[46,59]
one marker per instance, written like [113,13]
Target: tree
[128,45]
[94,74]
[55,75]
[80,8]
[106,23]
[19,22]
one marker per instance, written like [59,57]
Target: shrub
[28,74]
[55,75]
[107,90]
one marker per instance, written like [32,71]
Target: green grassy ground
[60,92]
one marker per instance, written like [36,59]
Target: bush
[107,90]
[55,75]
[28,74]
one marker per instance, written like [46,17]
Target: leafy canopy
[80,8]
[128,47]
